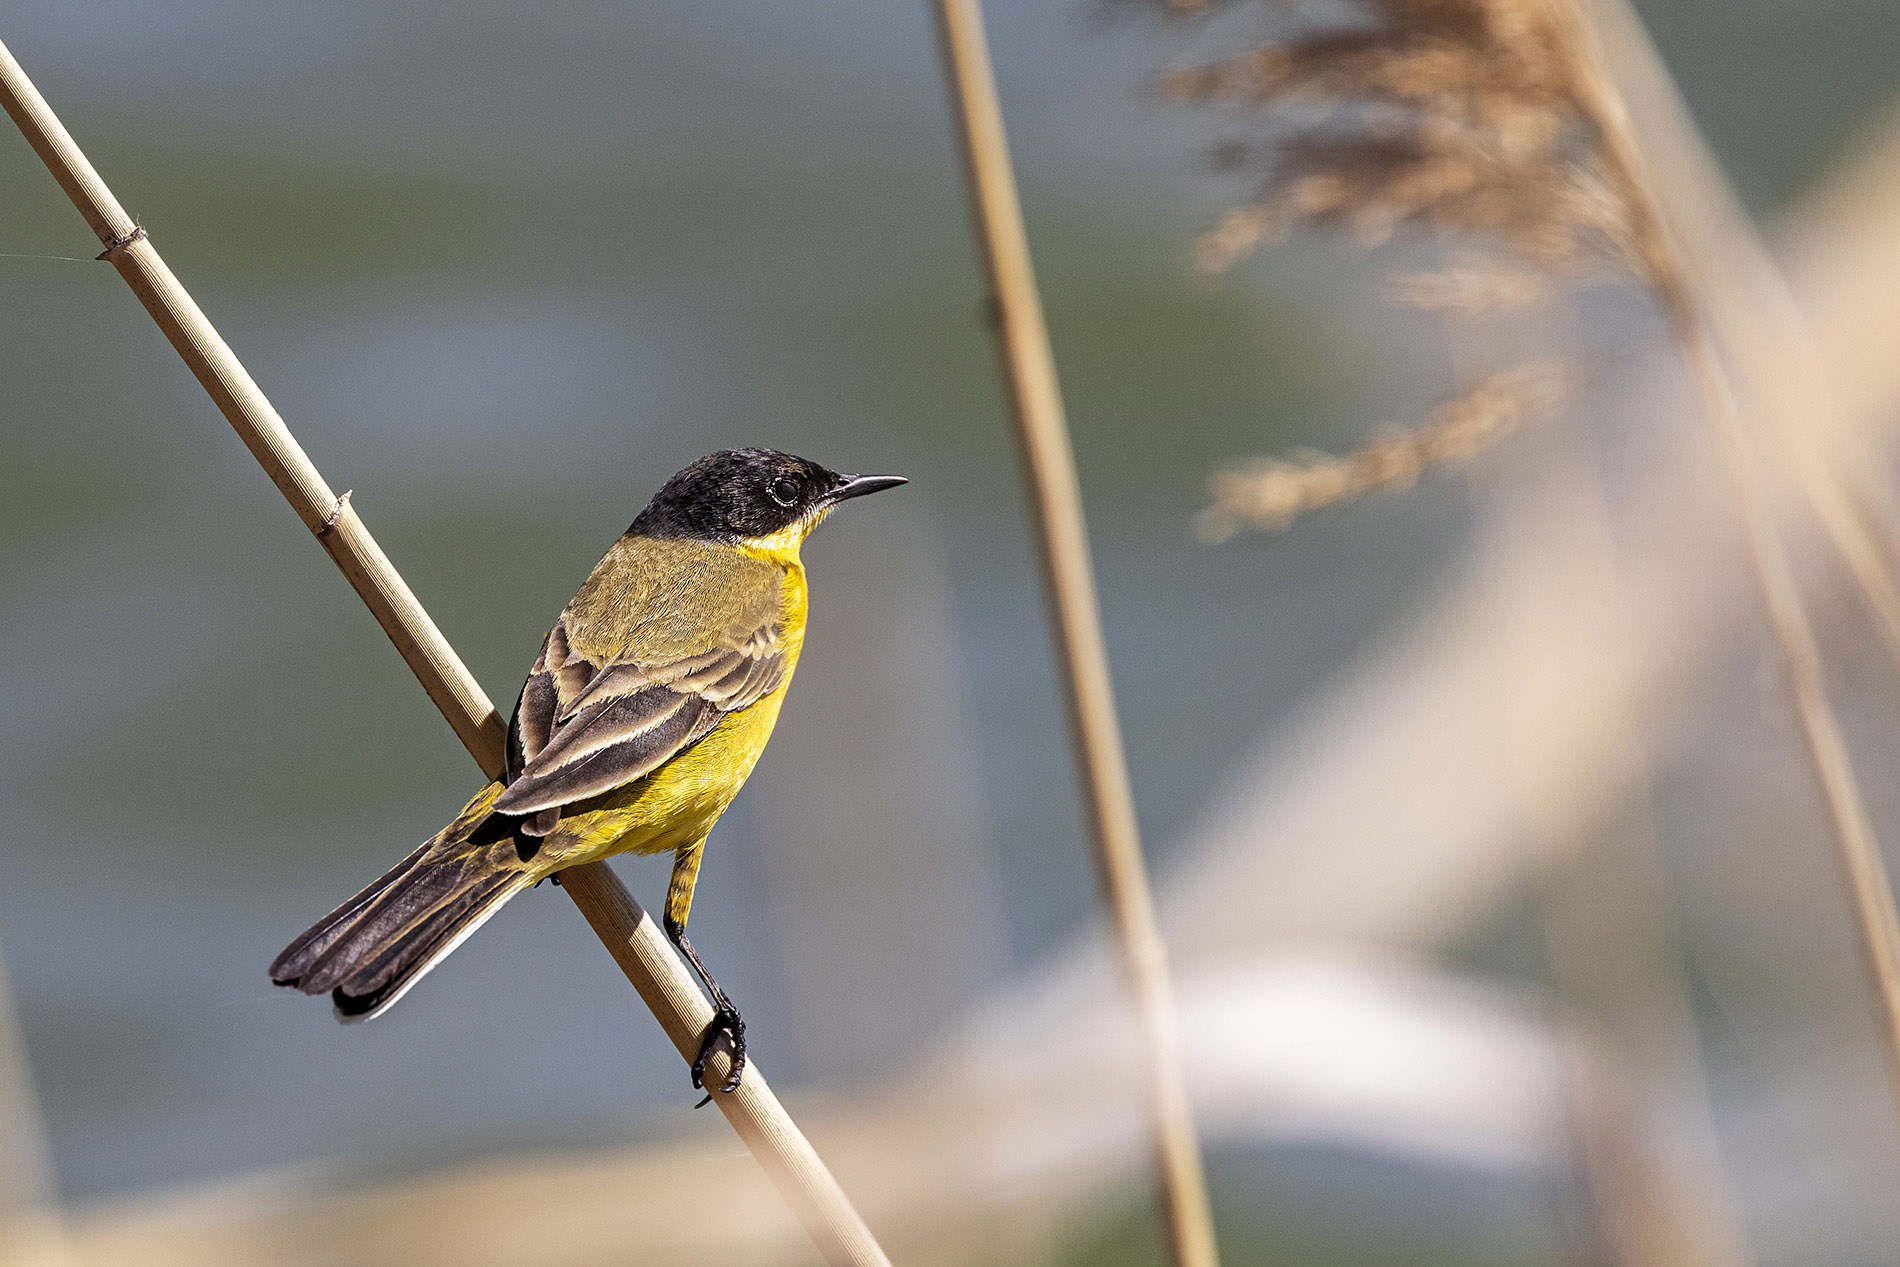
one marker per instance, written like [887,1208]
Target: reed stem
[1076,626]
[1863,869]
[1869,892]
[624,928]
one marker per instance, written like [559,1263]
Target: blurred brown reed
[1465,116]
[1272,492]
[33,1228]
[1459,116]
[1497,124]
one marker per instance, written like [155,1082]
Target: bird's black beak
[850,486]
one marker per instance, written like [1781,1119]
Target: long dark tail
[370,950]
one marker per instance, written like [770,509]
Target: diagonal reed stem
[1692,326]
[1864,871]
[623,927]
[1753,317]
[1076,625]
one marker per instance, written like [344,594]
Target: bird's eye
[784,491]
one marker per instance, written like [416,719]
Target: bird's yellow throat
[781,547]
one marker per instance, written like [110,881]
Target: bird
[651,699]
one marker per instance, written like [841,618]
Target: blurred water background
[503,268]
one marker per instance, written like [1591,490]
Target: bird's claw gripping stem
[727,1024]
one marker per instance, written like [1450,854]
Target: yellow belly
[677,804]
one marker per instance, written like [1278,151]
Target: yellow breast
[677,804]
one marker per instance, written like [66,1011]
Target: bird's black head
[745,494]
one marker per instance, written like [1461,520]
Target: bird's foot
[725,1024]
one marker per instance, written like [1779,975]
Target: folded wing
[583,728]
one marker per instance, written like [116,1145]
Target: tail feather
[369,951]
[406,907]
[302,954]
[403,960]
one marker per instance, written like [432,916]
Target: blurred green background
[503,268]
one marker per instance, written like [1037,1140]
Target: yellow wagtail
[651,699]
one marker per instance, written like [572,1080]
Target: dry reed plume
[1496,124]
[1462,117]
[1274,492]
[1465,116]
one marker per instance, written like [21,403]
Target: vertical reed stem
[1068,575]
[624,928]
[33,1227]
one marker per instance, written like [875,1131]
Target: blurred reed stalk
[1753,316]
[1055,502]
[1687,311]
[623,927]
[1498,121]
[33,1227]
[1630,1055]
[1738,303]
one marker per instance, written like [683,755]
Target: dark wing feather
[627,738]
[582,729]
[560,674]
[533,721]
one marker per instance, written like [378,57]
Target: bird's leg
[726,1021]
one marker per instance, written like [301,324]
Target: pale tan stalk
[33,1227]
[1865,872]
[1752,316]
[624,928]
[1629,1057]
[1056,503]
[1870,894]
